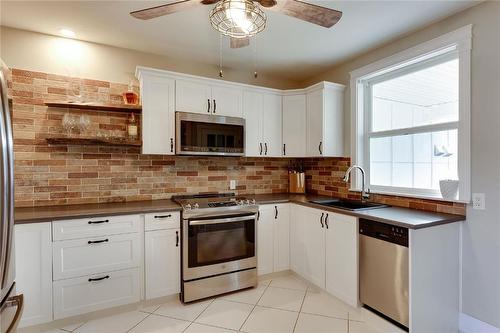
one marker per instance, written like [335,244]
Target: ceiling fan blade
[169,8]
[322,16]
[237,43]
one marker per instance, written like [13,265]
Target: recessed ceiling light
[67,33]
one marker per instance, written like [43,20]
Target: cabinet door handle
[176,239]
[98,222]
[275,212]
[99,241]
[319,147]
[171,145]
[265,145]
[208,106]
[326,220]
[258,215]
[284,149]
[99,279]
[215,106]
[163,216]
[260,151]
[321,220]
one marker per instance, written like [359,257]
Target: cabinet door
[315,123]
[227,101]
[33,253]
[162,263]
[192,96]
[315,248]
[252,112]
[158,116]
[265,240]
[272,125]
[281,237]
[294,125]
[342,257]
[298,223]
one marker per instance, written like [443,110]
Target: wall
[481,233]
[68,174]
[49,54]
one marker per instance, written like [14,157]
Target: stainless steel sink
[353,205]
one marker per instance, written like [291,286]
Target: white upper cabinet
[200,97]
[325,120]
[158,116]
[263,122]
[193,96]
[227,101]
[294,125]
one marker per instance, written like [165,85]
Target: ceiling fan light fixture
[238,18]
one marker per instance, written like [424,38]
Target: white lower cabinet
[342,257]
[324,250]
[162,263]
[95,292]
[33,253]
[273,230]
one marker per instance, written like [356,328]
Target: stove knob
[241,202]
[196,206]
[247,202]
[187,206]
[253,201]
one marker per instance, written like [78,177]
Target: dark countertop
[52,213]
[403,217]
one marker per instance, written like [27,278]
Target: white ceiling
[288,47]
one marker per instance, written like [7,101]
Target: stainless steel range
[219,235]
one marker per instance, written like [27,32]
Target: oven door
[200,134]
[212,246]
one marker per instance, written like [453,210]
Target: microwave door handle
[223,220]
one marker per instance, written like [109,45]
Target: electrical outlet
[478,201]
[232,184]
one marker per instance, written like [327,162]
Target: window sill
[414,196]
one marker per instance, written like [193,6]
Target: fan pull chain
[255,73]
[221,74]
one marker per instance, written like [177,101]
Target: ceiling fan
[242,19]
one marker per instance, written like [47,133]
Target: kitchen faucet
[365,193]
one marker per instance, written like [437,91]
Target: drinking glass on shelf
[83,123]
[68,123]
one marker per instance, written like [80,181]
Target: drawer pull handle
[98,222]
[163,216]
[99,241]
[99,279]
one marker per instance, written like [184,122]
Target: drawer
[79,257]
[159,221]
[95,292]
[98,226]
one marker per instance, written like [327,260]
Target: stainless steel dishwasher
[383,269]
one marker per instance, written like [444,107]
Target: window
[411,119]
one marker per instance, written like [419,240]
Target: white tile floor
[284,304]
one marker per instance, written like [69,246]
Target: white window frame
[458,43]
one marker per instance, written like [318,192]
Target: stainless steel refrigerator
[11,304]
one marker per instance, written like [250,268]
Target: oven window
[221,242]
[211,137]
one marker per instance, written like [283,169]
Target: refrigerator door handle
[17,301]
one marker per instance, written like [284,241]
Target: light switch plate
[478,201]
[232,184]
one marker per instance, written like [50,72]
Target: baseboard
[470,324]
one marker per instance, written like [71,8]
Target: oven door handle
[225,220]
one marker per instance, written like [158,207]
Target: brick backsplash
[71,174]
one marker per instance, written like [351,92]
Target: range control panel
[383,231]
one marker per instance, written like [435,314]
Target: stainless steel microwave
[200,134]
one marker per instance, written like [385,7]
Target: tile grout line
[255,305]
[198,316]
[300,310]
[147,316]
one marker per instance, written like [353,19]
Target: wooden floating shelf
[92,141]
[96,106]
